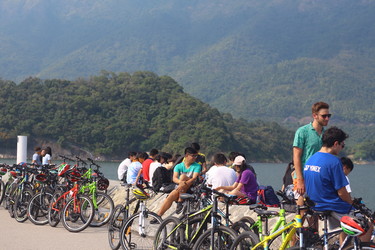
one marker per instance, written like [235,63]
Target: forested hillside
[267,60]
[111,114]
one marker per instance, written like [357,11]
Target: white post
[21,148]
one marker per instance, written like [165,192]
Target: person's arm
[191,180]
[138,176]
[297,155]
[344,195]
[175,178]
[228,188]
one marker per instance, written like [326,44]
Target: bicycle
[191,231]
[260,226]
[328,239]
[76,210]
[22,194]
[139,230]
[249,240]
[103,203]
[37,210]
[120,215]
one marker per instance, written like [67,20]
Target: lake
[362,178]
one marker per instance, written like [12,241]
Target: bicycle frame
[292,226]
[73,192]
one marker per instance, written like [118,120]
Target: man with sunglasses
[308,141]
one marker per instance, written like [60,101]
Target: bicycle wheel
[245,241]
[139,230]
[2,191]
[119,216]
[37,211]
[240,227]
[251,224]
[54,216]
[223,239]
[21,204]
[77,214]
[168,236]
[363,245]
[104,211]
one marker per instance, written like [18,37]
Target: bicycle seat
[323,214]
[265,212]
[186,196]
[254,206]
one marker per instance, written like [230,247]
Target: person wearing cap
[246,183]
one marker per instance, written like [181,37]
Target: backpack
[162,176]
[267,197]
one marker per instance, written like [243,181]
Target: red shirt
[146,169]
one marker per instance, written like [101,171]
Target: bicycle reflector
[3,171]
[62,169]
[353,226]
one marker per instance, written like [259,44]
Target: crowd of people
[318,171]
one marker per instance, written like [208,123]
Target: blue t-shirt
[132,173]
[181,169]
[324,175]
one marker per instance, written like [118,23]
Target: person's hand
[300,186]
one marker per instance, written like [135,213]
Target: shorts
[334,220]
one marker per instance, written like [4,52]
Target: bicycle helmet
[13,173]
[140,194]
[354,226]
[103,183]
[3,171]
[62,169]
[41,178]
[74,176]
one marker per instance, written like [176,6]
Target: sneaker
[179,207]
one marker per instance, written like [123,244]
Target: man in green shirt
[308,141]
[184,175]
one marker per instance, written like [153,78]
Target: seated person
[347,167]
[325,180]
[219,174]
[246,184]
[134,169]
[184,175]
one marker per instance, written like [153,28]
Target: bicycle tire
[168,236]
[251,224]
[37,211]
[75,221]
[245,241]
[240,227]
[104,211]
[119,216]
[223,239]
[9,199]
[2,191]
[21,204]
[130,235]
[54,216]
[363,246]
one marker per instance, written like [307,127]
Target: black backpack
[162,176]
[267,197]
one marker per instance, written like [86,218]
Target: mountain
[268,60]
[111,114]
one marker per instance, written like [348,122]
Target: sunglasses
[326,116]
[194,156]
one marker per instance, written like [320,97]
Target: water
[362,178]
